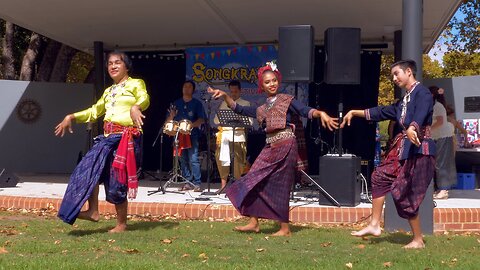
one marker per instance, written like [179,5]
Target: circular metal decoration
[29,111]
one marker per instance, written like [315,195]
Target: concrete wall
[29,112]
[456,89]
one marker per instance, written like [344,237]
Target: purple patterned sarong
[407,180]
[264,192]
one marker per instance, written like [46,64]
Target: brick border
[445,219]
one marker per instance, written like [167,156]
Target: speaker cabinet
[339,176]
[295,53]
[7,179]
[342,56]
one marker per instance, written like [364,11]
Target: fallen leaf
[57,242]
[131,250]
[3,250]
[166,241]
[111,241]
[260,249]
[185,255]
[64,251]
[194,241]
[203,256]
[361,246]
[349,265]
[249,238]
[326,244]
[266,238]
[387,264]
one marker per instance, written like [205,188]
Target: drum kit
[174,129]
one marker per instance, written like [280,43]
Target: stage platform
[461,212]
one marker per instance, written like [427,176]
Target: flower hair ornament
[269,66]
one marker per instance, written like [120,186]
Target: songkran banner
[217,66]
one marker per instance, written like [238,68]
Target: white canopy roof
[176,24]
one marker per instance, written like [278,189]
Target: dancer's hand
[216,93]
[137,116]
[327,121]
[66,124]
[132,193]
[347,119]
[413,136]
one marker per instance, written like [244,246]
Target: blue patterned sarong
[94,168]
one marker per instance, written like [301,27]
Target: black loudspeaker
[342,56]
[7,179]
[295,53]
[339,176]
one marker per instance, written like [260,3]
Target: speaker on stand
[296,53]
[342,64]
[342,56]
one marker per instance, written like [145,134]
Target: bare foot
[282,233]
[248,228]
[415,244]
[369,230]
[118,228]
[89,215]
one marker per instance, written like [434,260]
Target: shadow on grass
[394,238]
[132,226]
[273,228]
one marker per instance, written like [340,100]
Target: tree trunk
[62,64]
[48,61]
[7,50]
[27,70]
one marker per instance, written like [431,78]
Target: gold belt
[279,135]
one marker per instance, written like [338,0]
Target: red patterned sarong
[407,180]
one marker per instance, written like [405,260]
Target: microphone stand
[209,165]
[160,188]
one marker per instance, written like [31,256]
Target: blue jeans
[190,164]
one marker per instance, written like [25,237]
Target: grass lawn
[41,241]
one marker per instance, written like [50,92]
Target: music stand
[229,118]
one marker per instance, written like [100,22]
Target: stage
[461,212]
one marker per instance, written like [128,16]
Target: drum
[170,128]
[185,126]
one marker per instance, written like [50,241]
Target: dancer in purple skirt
[264,191]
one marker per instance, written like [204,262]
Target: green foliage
[431,68]
[33,242]
[463,32]
[457,63]
[385,91]
[81,65]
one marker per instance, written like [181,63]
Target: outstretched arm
[65,125]
[217,93]
[347,119]
[327,121]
